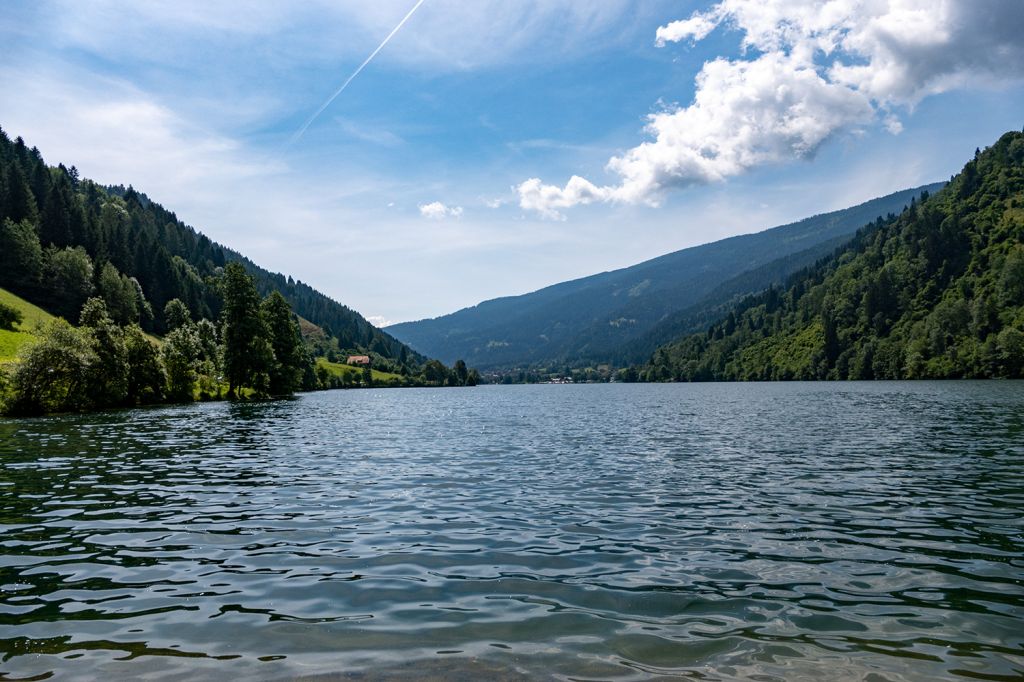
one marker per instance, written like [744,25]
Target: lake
[839,531]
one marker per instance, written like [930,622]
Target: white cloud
[379,321]
[107,127]
[547,199]
[810,71]
[438,211]
[696,28]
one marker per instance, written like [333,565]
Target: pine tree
[247,354]
[286,341]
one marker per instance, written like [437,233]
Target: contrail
[355,73]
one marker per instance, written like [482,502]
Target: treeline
[937,292]
[64,239]
[254,351]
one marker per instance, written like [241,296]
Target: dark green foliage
[121,294]
[146,376]
[460,372]
[936,293]
[19,203]
[180,353]
[107,377]
[176,314]
[61,214]
[21,256]
[53,374]
[67,278]
[247,353]
[9,316]
[286,341]
[435,373]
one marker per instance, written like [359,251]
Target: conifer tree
[247,354]
[286,341]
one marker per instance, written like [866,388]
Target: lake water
[758,531]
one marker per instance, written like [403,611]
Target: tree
[141,304]
[146,376]
[119,294]
[176,314]
[247,354]
[208,342]
[20,204]
[460,372]
[55,222]
[435,373]
[108,376]
[180,352]
[53,374]
[68,279]
[286,341]
[21,256]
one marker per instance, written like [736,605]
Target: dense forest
[937,292]
[141,256]
[163,313]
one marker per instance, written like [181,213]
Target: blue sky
[441,176]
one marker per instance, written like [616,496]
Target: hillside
[135,246]
[937,292]
[12,340]
[593,319]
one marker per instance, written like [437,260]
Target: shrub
[9,316]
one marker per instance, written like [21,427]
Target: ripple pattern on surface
[769,531]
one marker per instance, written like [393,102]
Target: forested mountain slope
[63,237]
[937,292]
[593,318]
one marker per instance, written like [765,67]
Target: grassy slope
[338,369]
[12,341]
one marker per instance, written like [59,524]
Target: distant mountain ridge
[618,316]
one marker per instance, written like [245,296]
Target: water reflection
[854,531]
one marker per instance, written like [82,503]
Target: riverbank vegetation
[254,351]
[935,293]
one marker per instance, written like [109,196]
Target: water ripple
[771,532]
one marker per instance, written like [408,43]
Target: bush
[9,317]
[53,375]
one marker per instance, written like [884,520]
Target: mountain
[937,292]
[66,237]
[622,315]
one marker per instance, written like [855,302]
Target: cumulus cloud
[696,28]
[809,71]
[438,211]
[547,199]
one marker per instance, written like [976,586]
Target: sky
[489,148]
